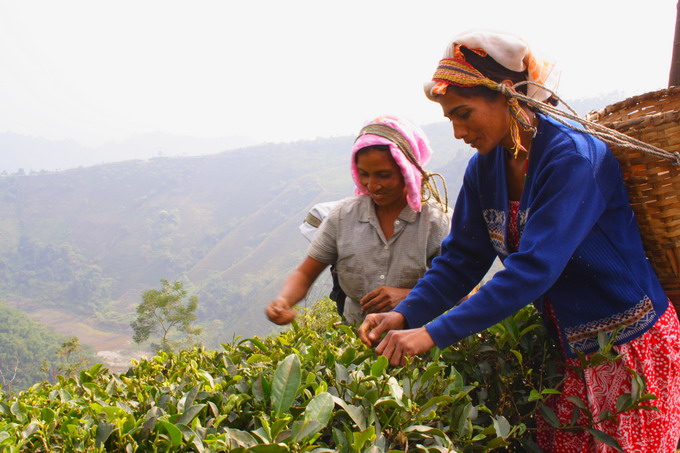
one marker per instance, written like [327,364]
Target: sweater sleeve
[466,256]
[568,204]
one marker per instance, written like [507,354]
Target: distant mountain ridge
[35,154]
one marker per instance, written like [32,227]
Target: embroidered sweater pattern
[580,248]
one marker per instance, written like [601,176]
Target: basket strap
[607,135]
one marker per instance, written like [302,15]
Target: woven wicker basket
[653,183]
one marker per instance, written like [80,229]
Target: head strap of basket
[515,54]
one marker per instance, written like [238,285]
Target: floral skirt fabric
[654,356]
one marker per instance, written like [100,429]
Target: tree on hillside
[163,310]
[30,352]
[70,359]
[9,374]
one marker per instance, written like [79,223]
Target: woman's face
[482,123]
[382,178]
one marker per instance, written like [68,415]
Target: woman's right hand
[378,323]
[295,287]
[279,312]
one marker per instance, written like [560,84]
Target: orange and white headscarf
[509,51]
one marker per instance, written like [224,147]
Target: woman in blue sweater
[549,201]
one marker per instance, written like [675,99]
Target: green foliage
[303,390]
[71,359]
[27,351]
[52,274]
[163,310]
[318,316]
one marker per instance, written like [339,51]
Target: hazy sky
[96,70]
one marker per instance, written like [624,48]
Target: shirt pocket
[353,282]
[409,275]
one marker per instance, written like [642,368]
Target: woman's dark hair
[494,71]
[365,149]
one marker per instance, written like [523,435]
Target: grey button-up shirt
[351,237]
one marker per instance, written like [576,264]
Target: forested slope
[78,247]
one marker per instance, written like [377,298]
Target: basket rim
[632,100]
[660,117]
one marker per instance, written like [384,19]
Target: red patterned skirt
[654,356]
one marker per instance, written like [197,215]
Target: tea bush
[304,390]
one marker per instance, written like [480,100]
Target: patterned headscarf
[410,149]
[509,51]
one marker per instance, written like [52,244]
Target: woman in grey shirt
[383,239]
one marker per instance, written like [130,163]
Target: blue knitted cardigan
[580,248]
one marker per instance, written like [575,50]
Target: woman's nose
[459,132]
[372,184]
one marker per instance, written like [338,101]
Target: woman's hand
[382,299]
[279,312]
[294,288]
[377,324]
[399,344]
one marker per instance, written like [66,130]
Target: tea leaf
[360,438]
[355,413]
[173,431]
[431,370]
[624,401]
[502,426]
[534,395]
[190,414]
[30,430]
[426,430]
[578,402]
[188,398]
[341,374]
[271,448]
[305,428]
[549,416]
[518,356]
[605,439]
[286,382]
[379,366]
[320,408]
[396,390]
[104,430]
[242,438]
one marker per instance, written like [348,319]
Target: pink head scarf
[403,138]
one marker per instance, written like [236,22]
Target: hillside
[34,154]
[78,247]
[30,352]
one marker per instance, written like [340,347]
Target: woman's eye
[464,115]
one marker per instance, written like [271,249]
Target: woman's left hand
[398,344]
[382,299]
